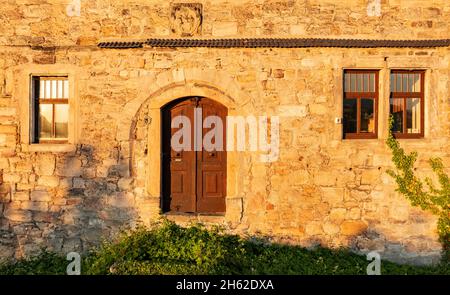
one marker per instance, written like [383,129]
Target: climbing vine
[422,193]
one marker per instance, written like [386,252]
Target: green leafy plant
[166,248]
[422,193]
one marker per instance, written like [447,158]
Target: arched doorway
[194,178]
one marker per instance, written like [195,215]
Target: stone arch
[144,134]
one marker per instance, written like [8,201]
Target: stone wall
[322,190]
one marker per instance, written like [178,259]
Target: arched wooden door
[194,180]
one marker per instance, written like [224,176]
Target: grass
[170,249]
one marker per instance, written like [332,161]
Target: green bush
[167,248]
[46,263]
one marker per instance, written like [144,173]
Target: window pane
[410,83]
[398,82]
[358,82]
[60,89]
[352,83]
[54,84]
[347,82]
[396,109]
[48,89]
[417,83]
[366,83]
[350,112]
[45,120]
[372,83]
[393,86]
[405,83]
[61,120]
[367,116]
[41,89]
[66,89]
[413,115]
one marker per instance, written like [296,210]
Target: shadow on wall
[66,202]
[420,250]
[416,250]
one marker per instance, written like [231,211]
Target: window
[50,109]
[406,103]
[360,104]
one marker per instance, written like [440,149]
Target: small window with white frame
[50,109]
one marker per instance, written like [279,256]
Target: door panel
[179,175]
[193,181]
[211,165]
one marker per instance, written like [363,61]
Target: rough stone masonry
[323,190]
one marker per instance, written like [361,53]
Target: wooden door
[193,181]
[211,165]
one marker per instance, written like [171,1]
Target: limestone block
[178,75]
[21,196]
[125,183]
[2,139]
[4,163]
[370,176]
[121,200]
[299,177]
[45,164]
[50,181]
[333,195]
[34,206]
[102,171]
[224,28]
[337,214]
[314,228]
[78,182]
[72,245]
[23,167]
[40,196]
[17,215]
[308,63]
[65,183]
[298,29]
[292,111]
[69,167]
[278,73]
[8,129]
[330,228]
[353,213]
[318,109]
[11,177]
[89,172]
[325,178]
[399,213]
[353,228]
[5,111]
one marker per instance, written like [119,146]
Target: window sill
[49,147]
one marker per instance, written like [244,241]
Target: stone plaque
[186,19]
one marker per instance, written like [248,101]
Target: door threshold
[186,218]
[192,214]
